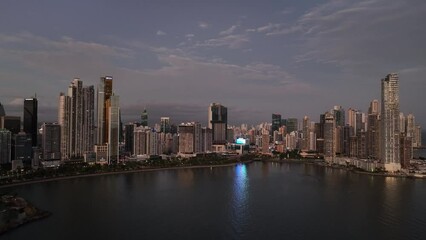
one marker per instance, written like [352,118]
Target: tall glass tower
[390,123]
[30,118]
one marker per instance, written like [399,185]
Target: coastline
[323,164]
[117,172]
[297,161]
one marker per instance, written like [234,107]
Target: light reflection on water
[240,201]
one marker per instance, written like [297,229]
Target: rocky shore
[16,211]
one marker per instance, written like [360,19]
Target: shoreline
[297,161]
[117,172]
[323,164]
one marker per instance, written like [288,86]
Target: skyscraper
[76,118]
[218,122]
[305,131]
[103,95]
[2,112]
[165,124]
[329,137]
[390,139]
[51,141]
[292,125]
[144,118]
[339,115]
[30,118]
[276,122]
[5,146]
[113,114]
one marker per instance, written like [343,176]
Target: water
[254,201]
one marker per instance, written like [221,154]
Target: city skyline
[253,57]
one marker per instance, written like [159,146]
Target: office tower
[374,107]
[75,92]
[390,123]
[373,135]
[51,141]
[30,118]
[347,130]
[402,123]
[165,124]
[2,112]
[276,122]
[23,147]
[76,118]
[339,115]
[190,138]
[292,125]
[5,146]
[104,93]
[11,123]
[417,140]
[153,144]
[129,138]
[144,118]
[329,137]
[64,120]
[305,132]
[206,135]
[113,119]
[218,122]
[352,117]
[410,125]
[406,150]
[139,143]
[88,118]
[359,122]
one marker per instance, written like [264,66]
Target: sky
[174,58]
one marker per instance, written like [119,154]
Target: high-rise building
[64,120]
[104,93]
[390,139]
[88,118]
[402,122]
[144,118]
[113,119]
[23,148]
[11,123]
[5,146]
[190,138]
[305,132]
[2,112]
[276,122]
[129,138]
[165,124]
[372,140]
[139,144]
[218,122]
[292,125]
[30,118]
[339,115]
[51,141]
[417,140]
[76,118]
[374,107]
[329,137]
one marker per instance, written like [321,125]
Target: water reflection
[240,204]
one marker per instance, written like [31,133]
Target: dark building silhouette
[30,118]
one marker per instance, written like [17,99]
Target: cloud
[161,33]
[16,102]
[190,35]
[229,41]
[203,25]
[229,31]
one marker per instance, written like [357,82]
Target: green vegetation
[76,168]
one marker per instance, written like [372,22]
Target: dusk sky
[176,57]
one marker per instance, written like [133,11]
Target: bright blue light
[241,141]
